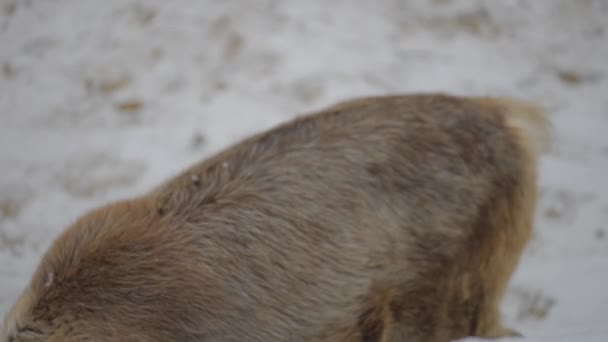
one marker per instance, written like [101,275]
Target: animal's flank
[388,218]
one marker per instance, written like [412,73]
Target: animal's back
[328,212]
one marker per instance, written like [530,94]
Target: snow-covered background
[104,99]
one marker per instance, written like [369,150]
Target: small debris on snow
[130,106]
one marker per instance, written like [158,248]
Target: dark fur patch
[396,310]
[371,325]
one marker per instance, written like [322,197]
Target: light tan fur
[390,218]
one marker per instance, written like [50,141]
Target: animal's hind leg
[512,221]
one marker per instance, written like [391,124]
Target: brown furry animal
[396,218]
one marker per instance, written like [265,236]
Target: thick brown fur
[395,218]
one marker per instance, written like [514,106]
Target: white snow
[104,99]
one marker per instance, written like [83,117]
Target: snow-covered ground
[103,99]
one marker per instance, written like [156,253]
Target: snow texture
[104,99]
